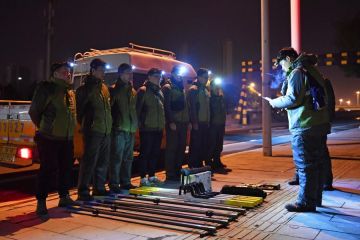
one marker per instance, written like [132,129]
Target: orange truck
[17,146]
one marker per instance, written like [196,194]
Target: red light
[25,153]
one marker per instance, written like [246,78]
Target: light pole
[341,101]
[357,98]
[265,61]
[348,102]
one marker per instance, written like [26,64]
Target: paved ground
[338,219]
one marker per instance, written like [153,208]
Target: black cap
[97,62]
[286,52]
[56,66]
[202,71]
[154,71]
[124,67]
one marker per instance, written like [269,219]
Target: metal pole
[357,98]
[295,25]
[114,207]
[265,59]
[98,212]
[175,202]
[49,34]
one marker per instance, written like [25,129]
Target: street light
[357,97]
[348,102]
[341,101]
[252,85]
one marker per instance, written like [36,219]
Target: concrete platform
[338,219]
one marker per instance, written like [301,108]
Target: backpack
[322,94]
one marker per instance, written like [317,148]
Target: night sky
[200,26]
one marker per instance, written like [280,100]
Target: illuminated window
[329,55]
[243,70]
[249,62]
[358,61]
[343,62]
[329,63]
[250,70]
[243,63]
[344,54]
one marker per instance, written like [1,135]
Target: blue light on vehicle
[163,72]
[71,64]
[107,66]
[209,72]
[182,70]
[133,67]
[217,81]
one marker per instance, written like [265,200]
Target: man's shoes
[328,188]
[41,209]
[155,181]
[115,189]
[100,193]
[144,182]
[128,187]
[219,165]
[66,201]
[293,207]
[294,182]
[85,198]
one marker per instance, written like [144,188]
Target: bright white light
[182,70]
[133,67]
[259,94]
[252,85]
[163,72]
[217,81]
[209,72]
[19,78]
[71,64]
[107,66]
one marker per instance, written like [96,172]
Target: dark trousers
[94,163]
[328,176]
[198,146]
[215,143]
[327,166]
[55,157]
[150,144]
[175,150]
[307,152]
[121,158]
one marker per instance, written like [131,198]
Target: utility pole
[295,25]
[265,62]
[49,13]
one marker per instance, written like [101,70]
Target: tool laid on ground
[247,191]
[183,202]
[231,216]
[197,190]
[126,206]
[265,186]
[133,216]
[218,200]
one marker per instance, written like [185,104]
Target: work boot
[100,193]
[144,182]
[294,207]
[85,198]
[41,209]
[115,190]
[66,201]
[294,180]
[128,187]
[328,188]
[155,181]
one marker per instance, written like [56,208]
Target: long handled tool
[241,211]
[115,207]
[210,230]
[231,216]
